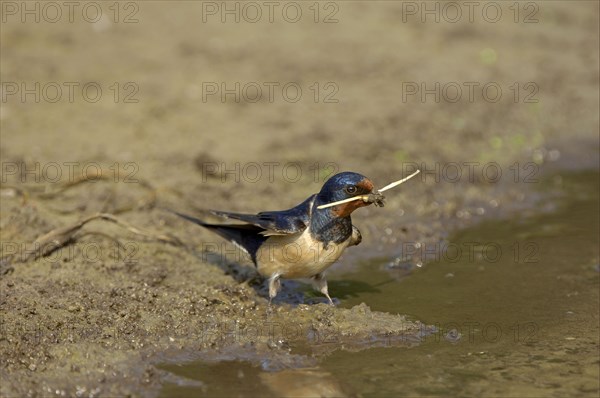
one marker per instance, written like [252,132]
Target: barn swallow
[301,242]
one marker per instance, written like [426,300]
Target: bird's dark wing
[246,236]
[281,222]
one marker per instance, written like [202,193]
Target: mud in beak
[376,198]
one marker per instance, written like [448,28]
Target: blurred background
[158,65]
[204,100]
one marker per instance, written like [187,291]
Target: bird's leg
[320,284]
[274,286]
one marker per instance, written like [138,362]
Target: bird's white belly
[297,255]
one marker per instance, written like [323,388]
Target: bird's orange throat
[345,209]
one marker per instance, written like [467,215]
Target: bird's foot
[330,300]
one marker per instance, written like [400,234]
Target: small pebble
[453,336]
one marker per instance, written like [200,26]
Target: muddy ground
[94,316]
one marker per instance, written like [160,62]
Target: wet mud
[116,307]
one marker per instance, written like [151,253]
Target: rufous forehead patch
[366,184]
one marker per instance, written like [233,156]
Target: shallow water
[515,302]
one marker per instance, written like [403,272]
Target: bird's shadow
[292,292]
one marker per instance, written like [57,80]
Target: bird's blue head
[343,186]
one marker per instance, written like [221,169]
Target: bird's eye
[351,189]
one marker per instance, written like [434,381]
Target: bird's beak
[373,197]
